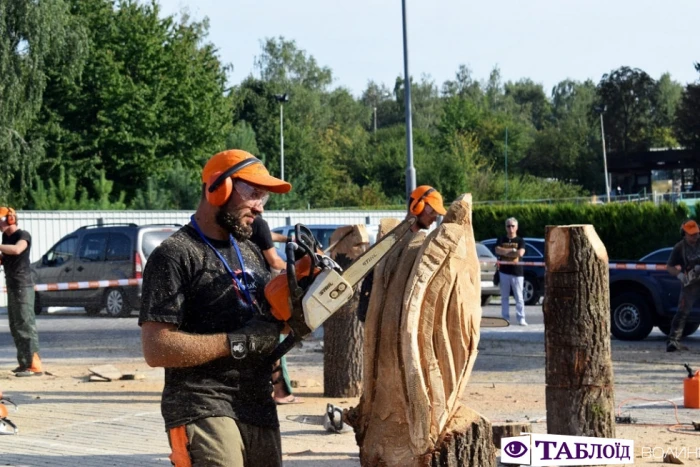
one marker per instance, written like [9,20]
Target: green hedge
[628,230]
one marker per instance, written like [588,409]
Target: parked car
[98,252]
[322,233]
[488,268]
[533,283]
[641,299]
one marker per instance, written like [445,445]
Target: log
[508,430]
[579,375]
[343,334]
[421,337]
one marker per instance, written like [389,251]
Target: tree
[687,123]
[629,95]
[38,40]
[152,92]
[531,100]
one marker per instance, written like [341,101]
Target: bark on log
[508,430]
[421,337]
[579,375]
[343,334]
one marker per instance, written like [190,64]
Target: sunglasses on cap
[250,193]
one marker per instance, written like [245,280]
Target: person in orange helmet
[205,319]
[684,264]
[15,249]
[425,203]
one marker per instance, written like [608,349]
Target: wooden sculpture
[421,337]
[343,332]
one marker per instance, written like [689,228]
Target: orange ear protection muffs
[416,207]
[220,186]
[10,217]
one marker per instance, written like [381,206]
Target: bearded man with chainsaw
[684,264]
[205,319]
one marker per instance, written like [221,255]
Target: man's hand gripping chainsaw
[315,287]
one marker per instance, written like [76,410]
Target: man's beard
[233,224]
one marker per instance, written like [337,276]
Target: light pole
[601,110]
[410,170]
[282,98]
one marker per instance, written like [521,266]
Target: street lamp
[410,170]
[601,110]
[282,98]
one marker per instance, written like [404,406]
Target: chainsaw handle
[307,242]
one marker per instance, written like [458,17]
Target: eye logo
[515,449]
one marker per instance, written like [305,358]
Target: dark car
[533,283]
[641,298]
[98,252]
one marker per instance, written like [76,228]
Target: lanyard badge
[236,282]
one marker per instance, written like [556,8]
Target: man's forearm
[10,250]
[171,348]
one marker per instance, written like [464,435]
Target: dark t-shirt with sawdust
[186,284]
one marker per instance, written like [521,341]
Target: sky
[544,40]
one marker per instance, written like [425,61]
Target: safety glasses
[251,193]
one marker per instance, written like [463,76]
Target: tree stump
[421,337]
[343,333]
[579,375]
[508,430]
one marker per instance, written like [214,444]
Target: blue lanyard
[225,263]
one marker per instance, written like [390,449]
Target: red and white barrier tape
[130,282]
[84,285]
[630,266]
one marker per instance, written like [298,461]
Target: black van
[99,252]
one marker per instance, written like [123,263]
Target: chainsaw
[6,425]
[315,287]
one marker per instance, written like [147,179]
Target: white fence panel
[48,227]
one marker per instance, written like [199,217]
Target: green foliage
[151,93]
[176,188]
[687,124]
[37,39]
[623,227]
[242,136]
[113,96]
[629,95]
[65,194]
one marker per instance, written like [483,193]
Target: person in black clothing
[684,264]
[15,249]
[205,319]
[511,248]
[263,238]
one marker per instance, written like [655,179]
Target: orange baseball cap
[691,228]
[4,211]
[434,198]
[256,174]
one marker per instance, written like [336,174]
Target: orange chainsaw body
[277,290]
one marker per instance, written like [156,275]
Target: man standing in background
[511,248]
[15,248]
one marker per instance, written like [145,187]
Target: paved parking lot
[64,420]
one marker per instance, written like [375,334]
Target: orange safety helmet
[425,194]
